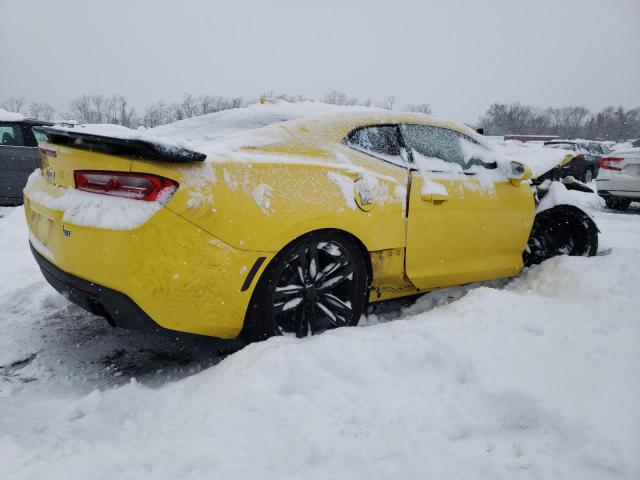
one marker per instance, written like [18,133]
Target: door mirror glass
[519,171]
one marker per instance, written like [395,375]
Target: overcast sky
[459,56]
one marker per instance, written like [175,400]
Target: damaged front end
[560,228]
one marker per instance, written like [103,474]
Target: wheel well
[361,246]
[559,227]
[249,324]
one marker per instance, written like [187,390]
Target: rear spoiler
[142,149]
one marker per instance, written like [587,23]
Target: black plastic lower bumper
[116,307]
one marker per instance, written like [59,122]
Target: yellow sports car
[279,218]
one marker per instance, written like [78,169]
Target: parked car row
[585,162]
[617,172]
[19,156]
[619,179]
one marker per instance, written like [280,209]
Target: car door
[18,158]
[466,221]
[380,181]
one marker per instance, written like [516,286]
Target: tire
[316,283]
[588,176]
[561,230]
[616,203]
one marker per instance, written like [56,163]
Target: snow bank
[6,116]
[536,379]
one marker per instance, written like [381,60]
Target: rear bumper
[116,307]
[165,274]
[624,187]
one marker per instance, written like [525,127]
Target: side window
[440,148]
[11,135]
[40,137]
[382,141]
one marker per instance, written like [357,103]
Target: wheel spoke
[287,305]
[313,261]
[335,302]
[328,314]
[282,292]
[303,266]
[337,278]
[328,270]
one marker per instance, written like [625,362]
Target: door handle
[434,197]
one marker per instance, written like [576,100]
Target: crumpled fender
[561,230]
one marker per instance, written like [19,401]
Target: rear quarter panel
[265,201]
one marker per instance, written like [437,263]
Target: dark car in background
[19,157]
[584,164]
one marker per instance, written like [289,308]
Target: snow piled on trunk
[537,379]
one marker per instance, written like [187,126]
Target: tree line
[117,110]
[611,123]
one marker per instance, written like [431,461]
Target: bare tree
[612,123]
[42,111]
[101,109]
[419,108]
[188,107]
[15,104]
[388,103]
[159,113]
[335,97]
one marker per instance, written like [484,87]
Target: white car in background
[618,180]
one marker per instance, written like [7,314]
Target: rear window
[380,140]
[11,135]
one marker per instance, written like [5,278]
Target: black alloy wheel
[315,284]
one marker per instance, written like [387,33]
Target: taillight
[138,186]
[608,163]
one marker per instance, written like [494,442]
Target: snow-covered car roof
[6,116]
[225,123]
[266,123]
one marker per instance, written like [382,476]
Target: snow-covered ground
[536,377]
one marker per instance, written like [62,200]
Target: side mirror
[518,172]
